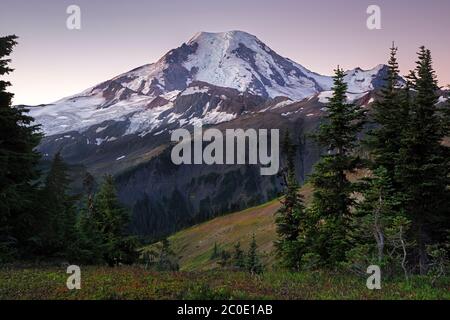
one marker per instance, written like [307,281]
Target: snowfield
[145,97]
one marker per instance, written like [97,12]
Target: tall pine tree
[374,215]
[112,220]
[238,257]
[254,265]
[330,212]
[289,216]
[390,114]
[424,162]
[90,240]
[382,193]
[57,226]
[18,161]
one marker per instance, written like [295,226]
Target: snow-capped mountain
[235,59]
[223,80]
[212,68]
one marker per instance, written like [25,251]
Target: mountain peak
[227,35]
[239,60]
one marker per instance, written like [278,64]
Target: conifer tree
[381,193]
[289,216]
[88,186]
[390,114]
[90,241]
[330,211]
[91,244]
[58,214]
[238,257]
[167,260]
[224,258]
[215,252]
[375,214]
[254,265]
[112,220]
[18,162]
[424,162]
[446,112]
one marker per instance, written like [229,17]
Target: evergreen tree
[375,213]
[390,114]
[382,193]
[160,257]
[224,258]
[446,112]
[289,216]
[18,161]
[424,169]
[57,234]
[329,214]
[89,186]
[254,265]
[111,218]
[238,257]
[90,239]
[167,260]
[215,253]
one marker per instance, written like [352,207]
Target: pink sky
[52,62]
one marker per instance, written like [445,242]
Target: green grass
[194,245]
[102,283]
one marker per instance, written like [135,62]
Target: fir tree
[18,161]
[254,265]
[289,216]
[446,112]
[88,186]
[90,241]
[375,213]
[329,214]
[382,193]
[424,162]
[238,257]
[91,244]
[390,114]
[215,253]
[167,260]
[58,214]
[224,258]
[112,219]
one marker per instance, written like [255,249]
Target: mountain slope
[194,245]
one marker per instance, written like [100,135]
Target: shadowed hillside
[194,246]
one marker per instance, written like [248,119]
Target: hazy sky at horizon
[52,62]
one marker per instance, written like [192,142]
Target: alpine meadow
[224,170]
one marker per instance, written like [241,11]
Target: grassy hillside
[194,245]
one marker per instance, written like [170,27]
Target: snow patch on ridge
[351,97]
